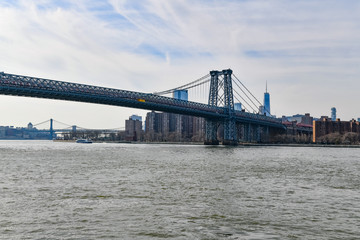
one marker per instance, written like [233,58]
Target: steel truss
[17,85]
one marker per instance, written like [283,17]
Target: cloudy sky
[307,50]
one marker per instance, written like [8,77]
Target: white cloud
[307,50]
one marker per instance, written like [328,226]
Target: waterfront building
[307,119]
[2,132]
[136,117]
[133,128]
[325,126]
[10,132]
[333,114]
[299,119]
[294,118]
[173,127]
[150,122]
[154,126]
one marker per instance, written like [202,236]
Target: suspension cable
[247,89]
[181,87]
[244,100]
[246,94]
[92,129]
[62,123]
[207,80]
[40,123]
[243,105]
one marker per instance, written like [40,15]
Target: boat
[83,141]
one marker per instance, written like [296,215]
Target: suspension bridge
[221,88]
[65,128]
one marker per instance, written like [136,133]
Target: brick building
[299,119]
[133,128]
[326,126]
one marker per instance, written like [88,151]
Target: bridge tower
[227,99]
[51,129]
[212,125]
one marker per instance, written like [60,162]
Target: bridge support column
[51,137]
[230,136]
[249,136]
[258,134]
[245,132]
[74,134]
[212,125]
[267,138]
[211,133]
[240,132]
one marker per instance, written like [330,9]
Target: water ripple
[123,191]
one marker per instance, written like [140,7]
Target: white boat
[83,141]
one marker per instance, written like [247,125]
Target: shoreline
[248,144]
[298,145]
[316,145]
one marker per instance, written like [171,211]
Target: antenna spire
[266,86]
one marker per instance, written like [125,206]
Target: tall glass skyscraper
[333,114]
[181,94]
[267,103]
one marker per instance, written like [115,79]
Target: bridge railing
[258,117]
[26,82]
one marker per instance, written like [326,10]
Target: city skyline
[306,51]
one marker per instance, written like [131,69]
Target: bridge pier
[230,136]
[267,137]
[249,135]
[211,132]
[211,124]
[258,133]
[51,137]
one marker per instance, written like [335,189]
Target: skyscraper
[333,114]
[237,107]
[266,110]
[133,128]
[181,94]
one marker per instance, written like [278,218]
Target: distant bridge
[68,128]
[50,128]
[220,107]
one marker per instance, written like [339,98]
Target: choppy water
[52,190]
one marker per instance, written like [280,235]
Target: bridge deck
[18,85]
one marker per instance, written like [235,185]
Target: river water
[56,190]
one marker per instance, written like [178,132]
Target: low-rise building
[326,126]
[299,119]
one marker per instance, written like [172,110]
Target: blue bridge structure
[219,110]
[74,129]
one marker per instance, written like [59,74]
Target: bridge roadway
[17,85]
